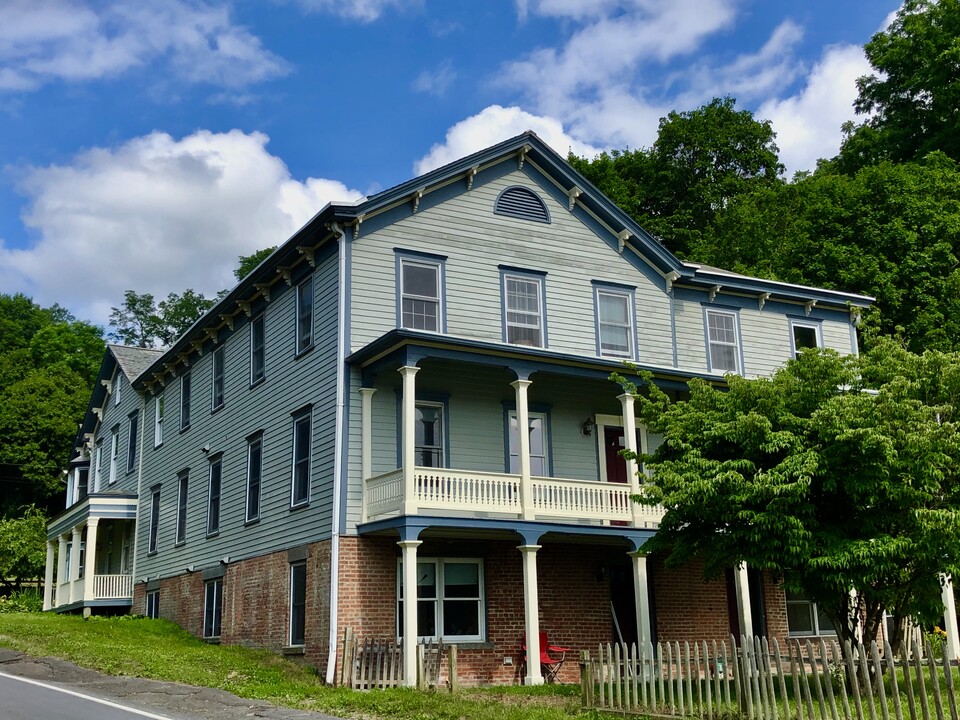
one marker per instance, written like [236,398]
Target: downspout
[338,454]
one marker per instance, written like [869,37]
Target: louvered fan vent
[522,203]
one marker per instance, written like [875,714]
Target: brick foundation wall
[256,597]
[686,607]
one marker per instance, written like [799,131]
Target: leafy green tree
[914,93]
[247,263]
[143,322]
[178,312]
[839,473]
[22,553]
[701,160]
[890,230]
[78,345]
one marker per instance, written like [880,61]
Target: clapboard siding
[475,241]
[291,383]
[836,336]
[117,416]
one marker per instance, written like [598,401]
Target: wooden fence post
[453,679]
[586,681]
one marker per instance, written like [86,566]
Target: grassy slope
[162,651]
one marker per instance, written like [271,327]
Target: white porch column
[62,569]
[409,447]
[641,595]
[950,618]
[531,614]
[742,585]
[408,549]
[48,576]
[523,434]
[630,440]
[74,572]
[90,566]
[366,444]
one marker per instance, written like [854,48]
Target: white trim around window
[304,319]
[613,307]
[258,350]
[721,330]
[421,301]
[524,301]
[302,443]
[158,408]
[804,618]
[450,598]
[805,334]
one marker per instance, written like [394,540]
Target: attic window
[520,202]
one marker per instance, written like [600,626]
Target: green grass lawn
[160,650]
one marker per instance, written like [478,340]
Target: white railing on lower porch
[112,587]
[465,491]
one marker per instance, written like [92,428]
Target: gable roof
[133,360]
[336,219]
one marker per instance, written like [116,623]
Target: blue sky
[147,144]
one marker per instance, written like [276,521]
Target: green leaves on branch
[143,322]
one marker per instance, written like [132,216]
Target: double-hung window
[429,430]
[614,321]
[158,420]
[213,495]
[153,604]
[805,618]
[804,334]
[182,490]
[524,321]
[254,472]
[305,315]
[298,602]
[154,520]
[212,608]
[185,401]
[257,350]
[114,453]
[450,599]
[300,485]
[539,443]
[98,466]
[132,440]
[117,386]
[723,340]
[216,386]
[421,293]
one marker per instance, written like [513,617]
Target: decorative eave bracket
[712,292]
[808,306]
[572,195]
[762,299]
[622,238]
[671,277]
[417,197]
[307,252]
[855,316]
[356,226]
[471,174]
[522,155]
[264,289]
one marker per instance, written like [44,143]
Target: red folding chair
[549,664]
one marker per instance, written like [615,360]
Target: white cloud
[42,41]
[156,215]
[362,10]
[495,124]
[808,124]
[436,81]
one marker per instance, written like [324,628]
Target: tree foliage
[839,473]
[914,94]
[143,322]
[247,263]
[701,160]
[22,554]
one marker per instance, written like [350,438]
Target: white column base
[531,614]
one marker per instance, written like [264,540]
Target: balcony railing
[113,587]
[468,492]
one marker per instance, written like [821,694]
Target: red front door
[612,445]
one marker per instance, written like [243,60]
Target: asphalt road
[53,689]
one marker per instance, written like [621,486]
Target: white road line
[91,698]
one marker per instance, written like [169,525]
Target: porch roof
[530,533]
[103,506]
[401,346]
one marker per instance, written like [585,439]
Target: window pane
[420,314]
[723,357]
[460,617]
[305,315]
[523,335]
[426,618]
[420,280]
[800,618]
[804,337]
[298,602]
[614,309]
[536,435]
[461,580]
[614,339]
[426,581]
[523,295]
[823,623]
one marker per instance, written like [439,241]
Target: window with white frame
[450,599]
[212,608]
[429,435]
[420,294]
[614,322]
[300,485]
[132,437]
[805,618]
[298,602]
[154,520]
[117,386]
[185,401]
[538,443]
[98,466]
[254,472]
[114,453]
[183,481]
[153,604]
[258,352]
[217,384]
[723,340]
[158,420]
[305,315]
[804,335]
[523,309]
[214,480]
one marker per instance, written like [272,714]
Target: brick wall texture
[574,585]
